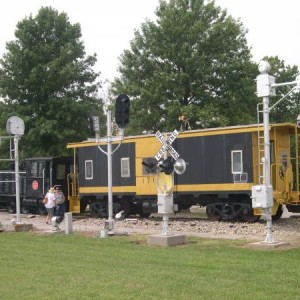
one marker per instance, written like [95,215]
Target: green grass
[78,267]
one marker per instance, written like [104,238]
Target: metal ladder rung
[260,144]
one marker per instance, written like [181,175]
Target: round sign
[35,185]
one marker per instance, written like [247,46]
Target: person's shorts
[50,211]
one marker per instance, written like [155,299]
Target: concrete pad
[166,240]
[23,227]
[265,245]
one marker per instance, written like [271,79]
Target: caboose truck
[223,165]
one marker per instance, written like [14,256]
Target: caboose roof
[190,133]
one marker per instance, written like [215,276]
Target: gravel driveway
[287,229]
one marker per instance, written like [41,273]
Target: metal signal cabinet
[222,166]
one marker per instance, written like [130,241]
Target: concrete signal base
[166,240]
[265,245]
[23,227]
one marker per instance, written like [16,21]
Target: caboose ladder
[73,189]
[260,145]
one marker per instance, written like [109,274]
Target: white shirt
[51,200]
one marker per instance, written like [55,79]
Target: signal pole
[262,195]
[109,174]
[122,120]
[15,126]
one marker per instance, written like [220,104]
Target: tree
[192,60]
[288,109]
[47,79]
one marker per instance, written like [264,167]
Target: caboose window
[88,169]
[36,169]
[125,167]
[236,162]
[61,172]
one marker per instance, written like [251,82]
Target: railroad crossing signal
[166,145]
[165,176]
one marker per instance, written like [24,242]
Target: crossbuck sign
[166,145]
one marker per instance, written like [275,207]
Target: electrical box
[262,196]
[263,85]
[165,204]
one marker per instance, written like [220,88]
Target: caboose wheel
[212,213]
[11,207]
[249,217]
[24,210]
[144,215]
[278,214]
[125,206]
[41,209]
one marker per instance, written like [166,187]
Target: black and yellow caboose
[222,166]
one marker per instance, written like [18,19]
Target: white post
[17,179]
[267,167]
[109,174]
[267,178]
[68,223]
[165,230]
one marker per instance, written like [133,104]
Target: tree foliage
[192,60]
[288,108]
[47,79]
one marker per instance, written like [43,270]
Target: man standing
[60,207]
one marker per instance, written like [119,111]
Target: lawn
[80,267]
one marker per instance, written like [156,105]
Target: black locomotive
[37,175]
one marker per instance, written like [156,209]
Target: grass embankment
[78,267]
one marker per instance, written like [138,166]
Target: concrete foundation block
[166,240]
[68,223]
[23,227]
[265,245]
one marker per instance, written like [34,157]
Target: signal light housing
[166,165]
[94,124]
[122,110]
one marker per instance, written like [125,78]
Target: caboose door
[61,167]
[38,177]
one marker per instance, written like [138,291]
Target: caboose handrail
[44,181]
[10,137]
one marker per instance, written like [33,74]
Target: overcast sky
[108,25]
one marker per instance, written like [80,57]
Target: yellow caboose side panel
[283,155]
[144,148]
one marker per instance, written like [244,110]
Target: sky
[108,25]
